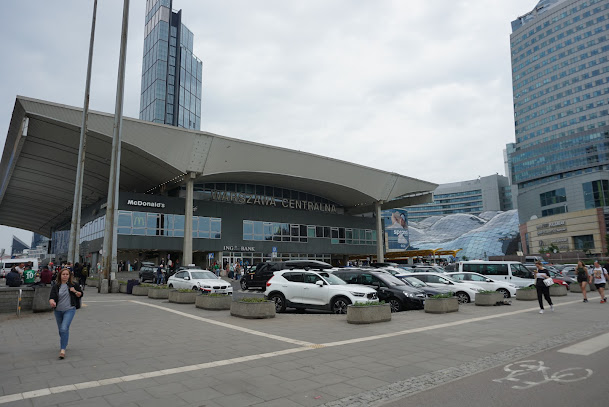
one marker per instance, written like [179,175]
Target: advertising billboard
[396,229]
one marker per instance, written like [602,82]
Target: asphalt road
[570,380]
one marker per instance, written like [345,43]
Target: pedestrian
[159,274]
[600,279]
[20,269]
[65,299]
[542,289]
[46,276]
[582,278]
[77,271]
[29,275]
[13,278]
[84,273]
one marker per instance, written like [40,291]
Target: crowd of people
[24,274]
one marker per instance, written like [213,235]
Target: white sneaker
[541,311]
[552,308]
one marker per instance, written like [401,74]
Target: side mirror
[319,283]
[488,280]
[186,278]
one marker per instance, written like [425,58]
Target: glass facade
[490,234]
[171,74]
[596,194]
[289,232]
[553,197]
[447,204]
[560,74]
[161,224]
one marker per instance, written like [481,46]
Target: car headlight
[356,294]
[407,294]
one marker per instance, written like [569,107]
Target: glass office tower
[560,75]
[171,73]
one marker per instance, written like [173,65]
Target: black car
[257,277]
[390,289]
[148,272]
[428,290]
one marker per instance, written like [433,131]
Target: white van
[8,264]
[511,271]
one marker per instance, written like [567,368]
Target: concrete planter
[41,299]
[441,305]
[140,291]
[558,291]
[253,310]
[368,314]
[122,288]
[215,303]
[92,282]
[576,288]
[488,299]
[9,295]
[182,297]
[159,293]
[526,295]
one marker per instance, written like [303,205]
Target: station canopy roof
[38,167]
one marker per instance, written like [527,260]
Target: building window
[160,224]
[596,194]
[553,211]
[553,197]
[585,242]
[286,232]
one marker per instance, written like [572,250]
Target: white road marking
[229,326]
[304,347]
[537,373]
[588,347]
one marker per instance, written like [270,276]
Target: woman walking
[600,279]
[65,298]
[582,278]
[542,289]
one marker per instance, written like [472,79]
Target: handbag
[548,281]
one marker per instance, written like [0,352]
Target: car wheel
[243,284]
[506,293]
[170,285]
[339,305]
[395,304]
[279,300]
[195,288]
[462,297]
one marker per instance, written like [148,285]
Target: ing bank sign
[253,199]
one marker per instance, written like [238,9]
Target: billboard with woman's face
[396,229]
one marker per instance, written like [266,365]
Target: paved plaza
[135,351]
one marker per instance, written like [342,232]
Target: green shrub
[216,295]
[122,282]
[160,287]
[185,290]
[368,303]
[445,295]
[531,287]
[147,285]
[253,299]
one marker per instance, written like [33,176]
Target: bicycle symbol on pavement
[537,373]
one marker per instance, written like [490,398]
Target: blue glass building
[171,73]
[560,73]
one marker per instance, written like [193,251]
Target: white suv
[315,290]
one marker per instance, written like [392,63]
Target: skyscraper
[171,73]
[560,75]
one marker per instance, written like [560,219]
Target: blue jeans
[64,319]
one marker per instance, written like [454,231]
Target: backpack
[85,272]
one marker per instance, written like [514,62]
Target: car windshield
[415,282]
[203,275]
[332,279]
[389,279]
[451,279]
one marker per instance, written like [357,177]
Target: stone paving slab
[112,338]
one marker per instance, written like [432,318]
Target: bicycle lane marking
[588,347]
[530,368]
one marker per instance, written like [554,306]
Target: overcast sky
[418,87]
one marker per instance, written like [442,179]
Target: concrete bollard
[41,299]
[103,288]
[115,286]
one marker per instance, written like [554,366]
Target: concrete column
[187,248]
[380,253]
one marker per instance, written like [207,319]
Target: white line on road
[304,347]
[588,347]
[229,326]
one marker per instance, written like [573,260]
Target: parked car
[310,289]
[486,283]
[390,289]
[201,280]
[148,272]
[556,276]
[427,289]
[465,292]
[258,277]
[510,271]
[427,267]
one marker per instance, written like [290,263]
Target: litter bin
[130,284]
